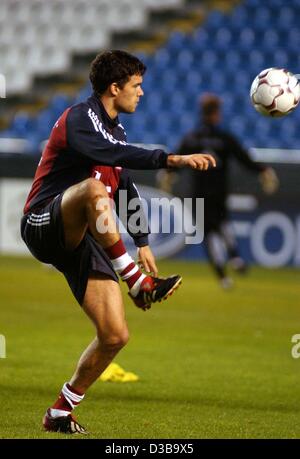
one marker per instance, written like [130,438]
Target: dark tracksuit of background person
[219,238]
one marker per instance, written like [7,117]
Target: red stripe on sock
[116,250]
[62,404]
[132,280]
[127,269]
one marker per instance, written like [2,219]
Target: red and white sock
[125,266]
[68,399]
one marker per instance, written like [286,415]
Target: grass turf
[212,364]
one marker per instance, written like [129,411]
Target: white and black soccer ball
[275,92]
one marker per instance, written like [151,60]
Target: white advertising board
[13,193]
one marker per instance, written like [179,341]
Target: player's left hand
[269,180]
[146,260]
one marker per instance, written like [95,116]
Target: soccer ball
[275,92]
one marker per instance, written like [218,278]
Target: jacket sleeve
[89,138]
[136,225]
[238,152]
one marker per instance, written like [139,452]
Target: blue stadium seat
[22,125]
[44,123]
[238,18]
[246,38]
[223,39]
[223,56]
[162,59]
[286,18]
[215,20]
[237,126]
[184,61]
[208,60]
[176,41]
[292,37]
[59,104]
[280,58]
[270,39]
[193,81]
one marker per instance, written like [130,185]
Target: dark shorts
[43,233]
[215,213]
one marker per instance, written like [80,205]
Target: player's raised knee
[93,189]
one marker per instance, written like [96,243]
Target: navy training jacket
[83,141]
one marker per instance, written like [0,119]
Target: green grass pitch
[212,364]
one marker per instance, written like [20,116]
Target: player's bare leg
[103,304]
[85,205]
[81,209]
[79,212]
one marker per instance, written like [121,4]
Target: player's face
[215,117]
[128,97]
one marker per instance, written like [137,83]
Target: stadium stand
[39,36]
[222,55]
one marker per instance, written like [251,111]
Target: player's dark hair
[114,67]
[209,104]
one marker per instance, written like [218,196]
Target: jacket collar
[108,121]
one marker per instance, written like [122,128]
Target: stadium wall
[267,227]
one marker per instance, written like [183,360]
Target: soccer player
[213,186]
[85,162]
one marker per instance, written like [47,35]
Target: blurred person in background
[220,242]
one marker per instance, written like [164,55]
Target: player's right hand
[196,161]
[200,161]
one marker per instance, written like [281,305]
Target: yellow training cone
[115,373]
